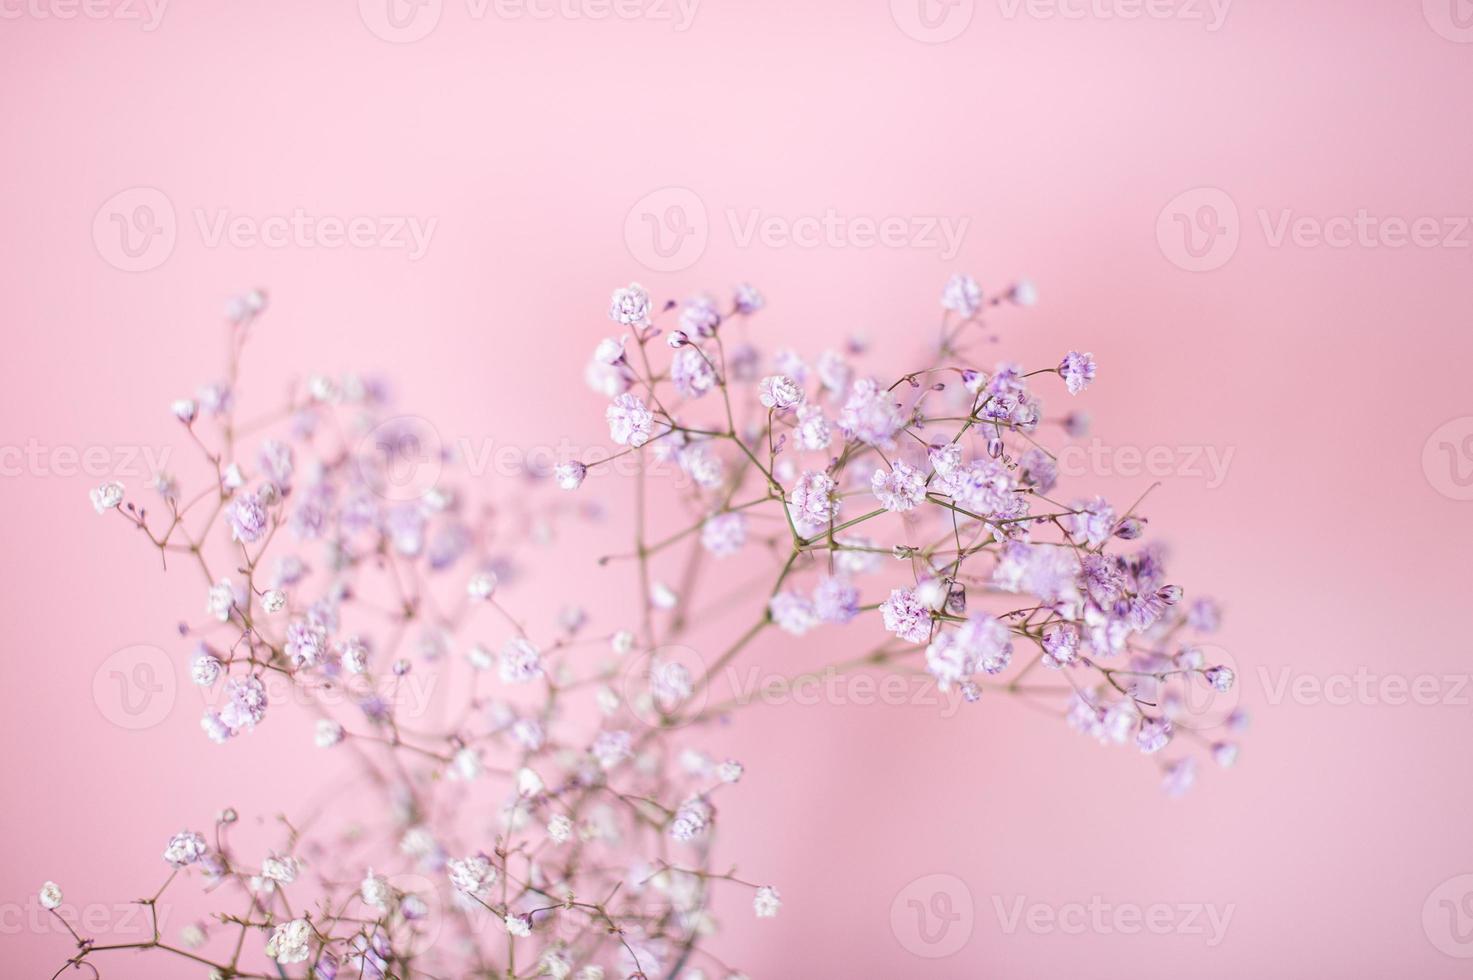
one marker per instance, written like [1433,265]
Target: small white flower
[185,410]
[962,296]
[610,350]
[273,601]
[779,392]
[560,828]
[479,657]
[622,642]
[288,944]
[630,306]
[521,661]
[555,964]
[322,388]
[611,748]
[481,585]
[570,475]
[107,496]
[221,600]
[329,733]
[280,868]
[519,925]
[529,783]
[466,765]
[375,891]
[473,874]
[766,902]
[354,656]
[185,848]
[50,895]
[730,771]
[204,669]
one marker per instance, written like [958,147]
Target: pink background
[1324,370]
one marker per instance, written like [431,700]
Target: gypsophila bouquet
[917,516]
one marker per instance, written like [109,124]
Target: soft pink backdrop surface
[1323,370]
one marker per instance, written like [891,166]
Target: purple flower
[962,296]
[835,600]
[811,501]
[247,518]
[724,534]
[905,616]
[699,317]
[900,489]
[630,306]
[1077,370]
[792,612]
[630,422]
[1060,644]
[1153,735]
[747,300]
[691,372]
[871,415]
[245,704]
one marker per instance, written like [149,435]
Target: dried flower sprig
[601,859]
[339,564]
[947,470]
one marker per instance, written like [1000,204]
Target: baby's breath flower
[962,296]
[50,895]
[290,942]
[185,848]
[570,475]
[766,902]
[472,875]
[328,733]
[107,497]
[779,392]
[630,420]
[1077,370]
[630,306]
[559,828]
[481,585]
